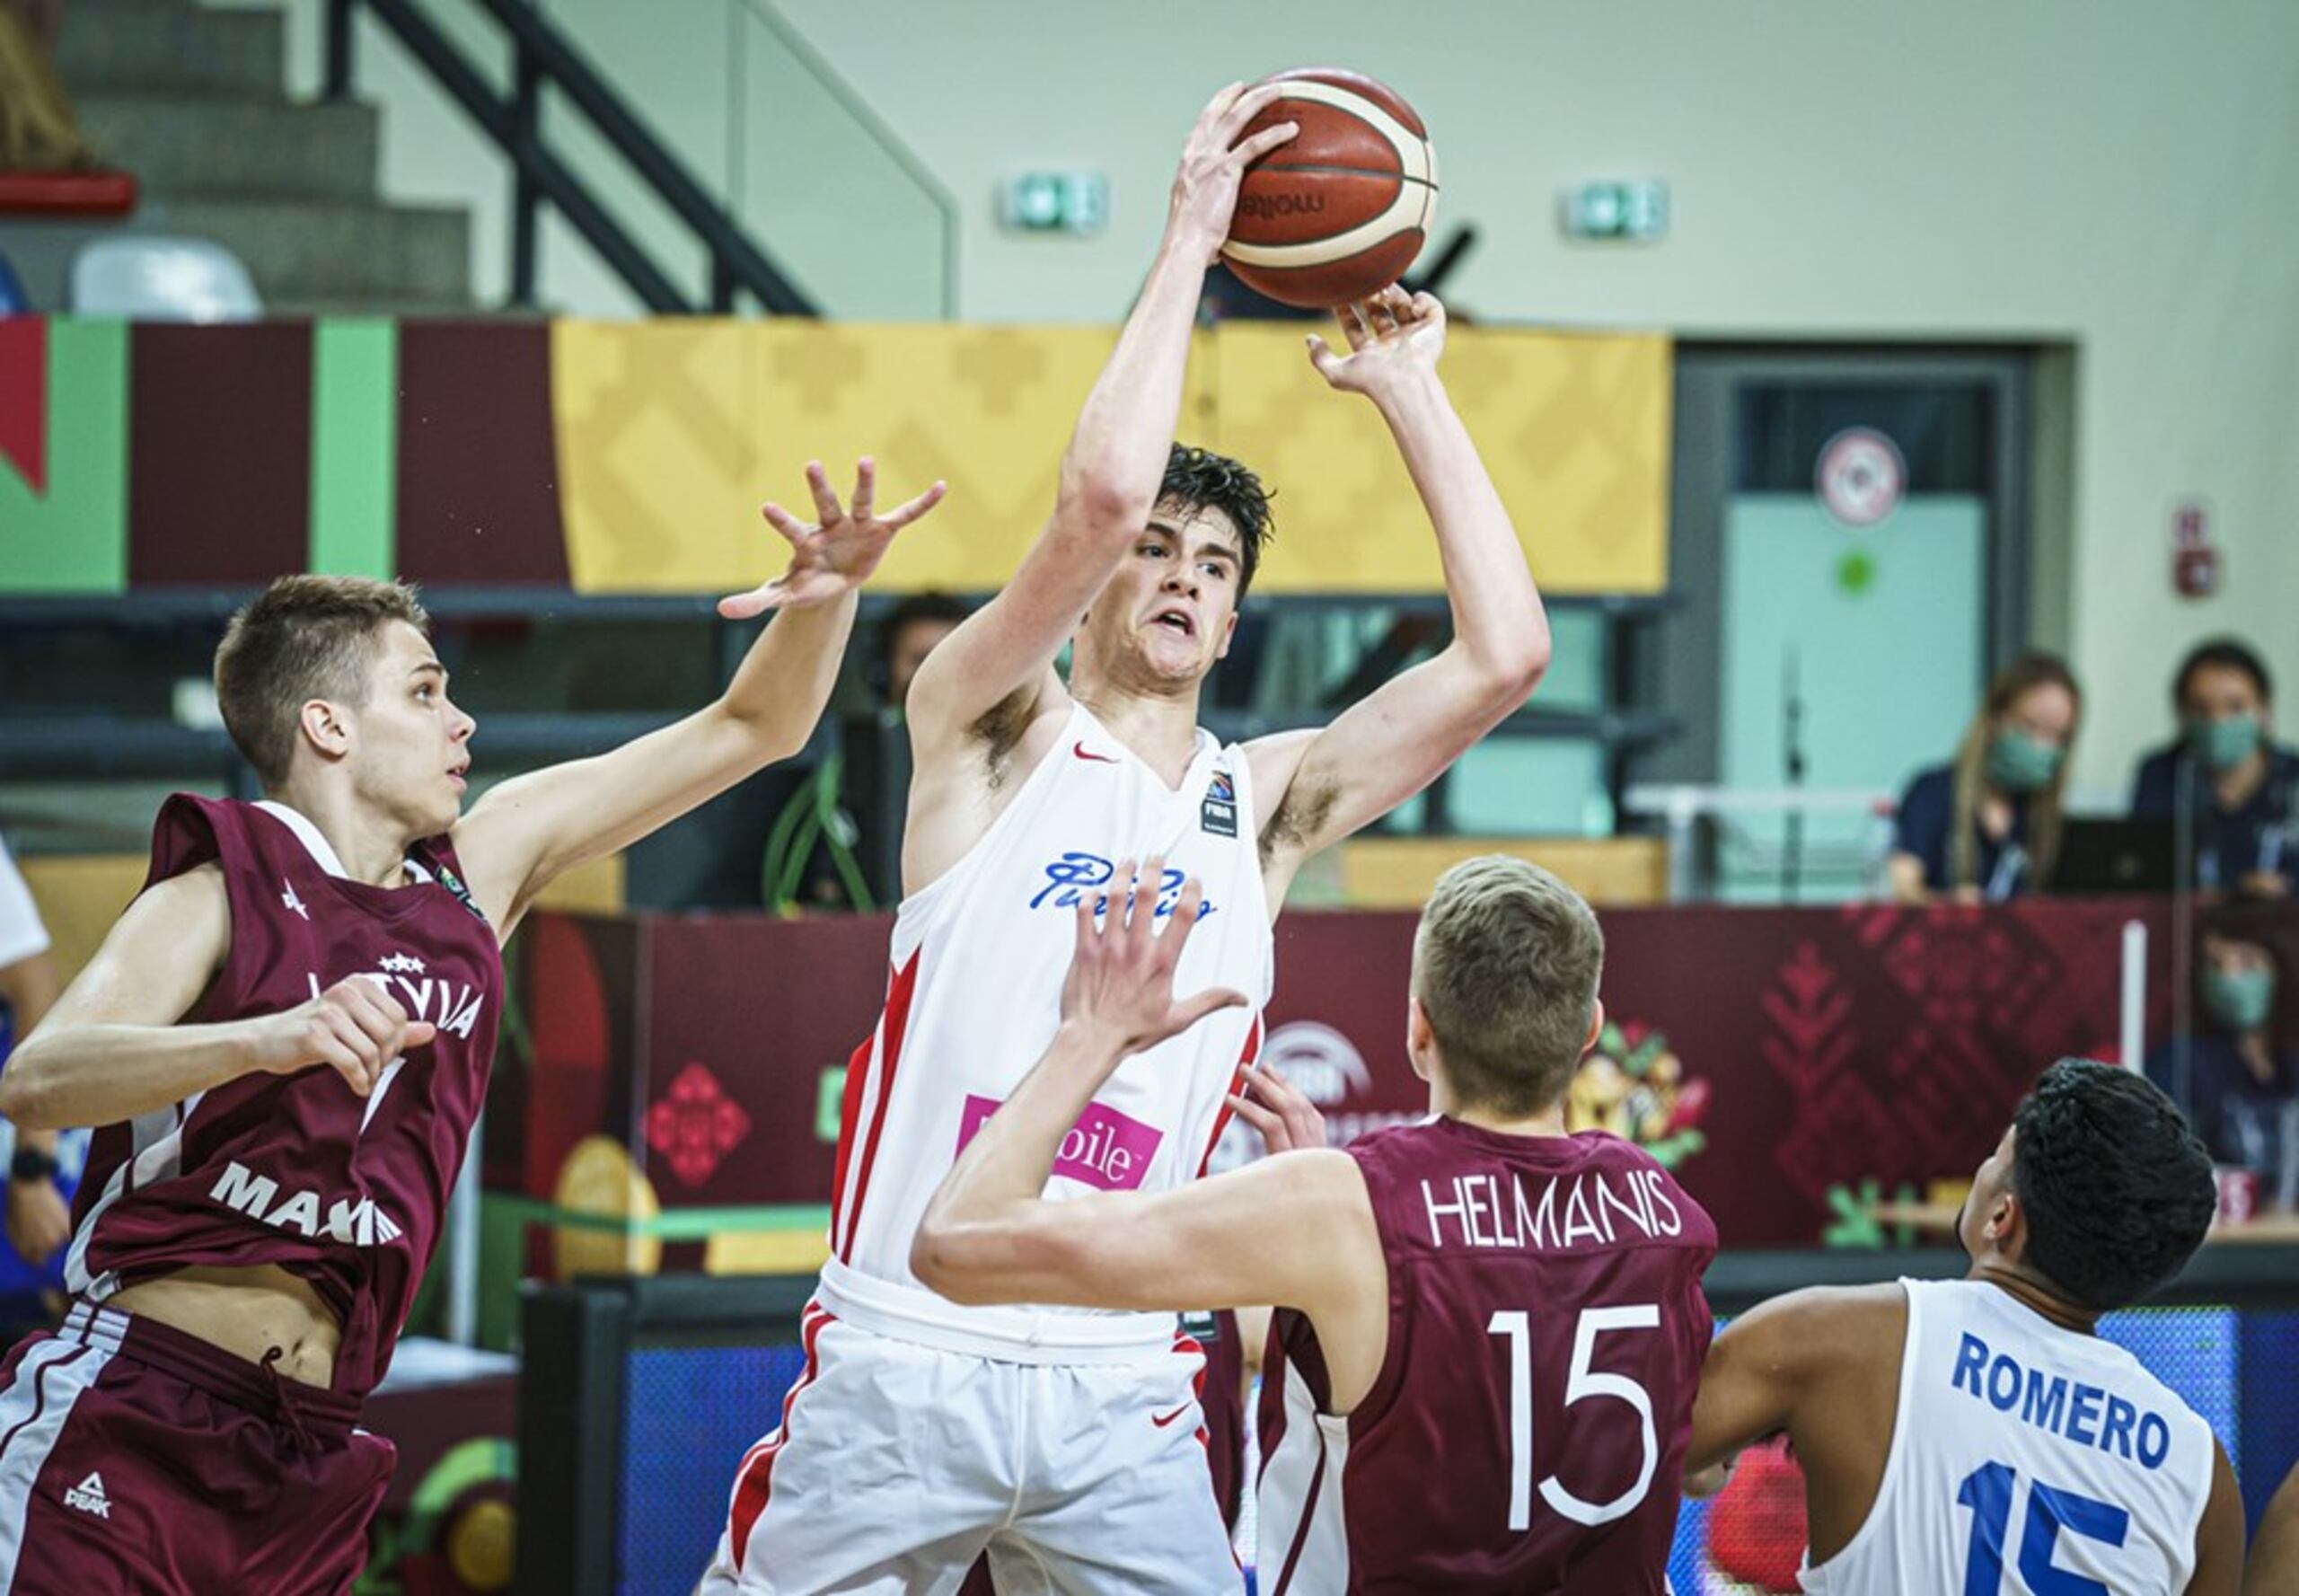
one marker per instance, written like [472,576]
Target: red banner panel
[1787,1059]
[220,432]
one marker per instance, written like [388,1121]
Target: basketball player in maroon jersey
[286,1038]
[1489,1333]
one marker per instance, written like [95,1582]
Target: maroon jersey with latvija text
[347,1193]
[1527,1427]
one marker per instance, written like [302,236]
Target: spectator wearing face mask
[2237,788]
[2242,1071]
[1986,827]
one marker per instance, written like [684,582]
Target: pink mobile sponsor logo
[1105,1149]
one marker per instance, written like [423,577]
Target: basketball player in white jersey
[1976,1436]
[1065,1440]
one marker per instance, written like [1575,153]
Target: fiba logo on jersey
[1219,813]
[1319,1060]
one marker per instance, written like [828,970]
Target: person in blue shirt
[2241,1085]
[2238,788]
[1986,826]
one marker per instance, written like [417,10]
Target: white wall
[2115,173]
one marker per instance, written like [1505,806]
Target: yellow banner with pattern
[671,433]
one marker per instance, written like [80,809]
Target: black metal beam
[571,73]
[560,185]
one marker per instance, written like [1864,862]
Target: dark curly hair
[2116,1189]
[1199,479]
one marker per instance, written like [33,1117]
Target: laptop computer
[2116,856]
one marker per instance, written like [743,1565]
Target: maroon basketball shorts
[134,1457]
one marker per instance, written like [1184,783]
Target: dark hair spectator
[2241,1048]
[907,633]
[2224,779]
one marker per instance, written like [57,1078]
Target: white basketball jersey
[2026,1459]
[973,997]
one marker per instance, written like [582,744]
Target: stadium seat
[162,279]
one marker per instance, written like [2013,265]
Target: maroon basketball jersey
[345,1192]
[1527,1427]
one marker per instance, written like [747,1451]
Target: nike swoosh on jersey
[1162,1420]
[1078,748]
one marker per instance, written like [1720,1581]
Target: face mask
[2227,743]
[2018,762]
[2240,999]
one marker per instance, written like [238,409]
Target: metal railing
[543,55]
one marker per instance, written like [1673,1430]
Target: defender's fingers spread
[866,487]
[826,506]
[918,506]
[1211,1002]
[1255,1114]
[785,523]
[1125,879]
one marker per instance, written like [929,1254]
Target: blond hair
[1505,964]
[303,638]
[2012,684]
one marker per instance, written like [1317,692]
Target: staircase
[190,100]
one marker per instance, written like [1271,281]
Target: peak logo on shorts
[1105,1150]
[347,1222]
[88,1496]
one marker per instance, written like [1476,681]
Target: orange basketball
[1340,212]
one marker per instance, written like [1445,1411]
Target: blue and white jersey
[2026,1459]
[974,999]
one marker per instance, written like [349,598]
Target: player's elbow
[24,1100]
[946,1262]
[1504,676]
[1103,499]
[761,734]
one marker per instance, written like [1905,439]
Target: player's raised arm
[1116,457]
[110,1049]
[1384,749]
[989,1235]
[533,828]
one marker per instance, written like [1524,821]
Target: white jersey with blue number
[973,997]
[2026,1459]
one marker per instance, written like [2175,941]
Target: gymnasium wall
[616,457]
[2106,176]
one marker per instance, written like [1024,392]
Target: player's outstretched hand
[1279,1110]
[1214,162]
[1391,336]
[835,552]
[1121,982]
[354,1027]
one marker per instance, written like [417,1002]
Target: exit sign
[1057,202]
[1636,212]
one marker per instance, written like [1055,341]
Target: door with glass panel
[1850,540]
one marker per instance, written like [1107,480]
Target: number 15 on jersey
[1581,1384]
